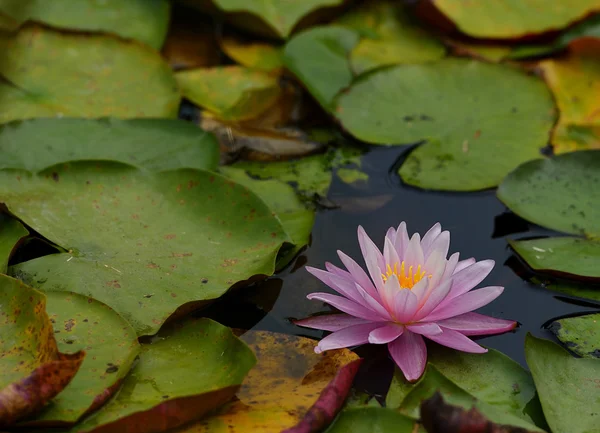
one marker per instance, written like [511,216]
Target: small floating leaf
[580,334]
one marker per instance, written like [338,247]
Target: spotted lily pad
[514,18]
[580,335]
[33,370]
[373,419]
[567,386]
[500,118]
[230,92]
[11,232]
[142,243]
[560,193]
[144,20]
[275,395]
[186,371]
[389,36]
[63,74]
[81,323]
[319,59]
[575,83]
[570,256]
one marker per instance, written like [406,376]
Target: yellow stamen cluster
[407,281]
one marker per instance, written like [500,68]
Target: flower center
[406,280]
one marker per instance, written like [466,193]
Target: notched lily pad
[580,334]
[561,193]
[139,242]
[33,370]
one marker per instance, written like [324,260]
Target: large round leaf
[81,323]
[567,386]
[499,118]
[574,257]
[144,244]
[185,372]
[154,144]
[60,74]
[580,335]
[11,232]
[561,193]
[514,18]
[144,20]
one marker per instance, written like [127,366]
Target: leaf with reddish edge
[440,417]
[330,402]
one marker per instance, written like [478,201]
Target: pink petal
[436,266]
[425,329]
[420,290]
[330,322]
[450,266]
[434,298]
[347,306]
[465,303]
[338,271]
[341,285]
[388,293]
[430,236]
[414,253]
[373,257]
[410,354]
[441,243]
[391,234]
[358,273]
[389,254]
[401,242]
[457,341]
[351,336]
[477,324]
[372,303]
[405,305]
[386,334]
[469,277]
[463,264]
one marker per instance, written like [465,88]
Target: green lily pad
[560,193]
[153,144]
[500,118]
[570,256]
[230,92]
[577,290]
[514,18]
[580,334]
[282,17]
[62,74]
[111,345]
[568,387]
[11,232]
[434,381]
[492,378]
[389,36]
[144,20]
[319,59]
[251,54]
[142,243]
[373,420]
[186,371]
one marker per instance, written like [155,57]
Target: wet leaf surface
[566,256]
[319,59]
[61,74]
[277,393]
[256,55]
[33,370]
[580,334]
[373,420]
[575,83]
[500,118]
[230,92]
[130,248]
[559,193]
[513,18]
[567,386]
[153,144]
[144,20]
[110,343]
[211,364]
[586,291]
[11,232]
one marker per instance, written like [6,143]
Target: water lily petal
[441,243]
[358,273]
[436,267]
[420,290]
[425,329]
[458,341]
[373,303]
[386,334]
[401,242]
[414,253]
[331,322]
[390,288]
[430,236]
[351,336]
[465,303]
[347,306]
[450,266]
[337,271]
[405,305]
[477,324]
[469,277]
[344,286]
[464,263]
[390,256]
[391,234]
[373,257]
[410,354]
[434,298]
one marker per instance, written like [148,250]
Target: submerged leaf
[580,334]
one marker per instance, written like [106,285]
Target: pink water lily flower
[412,291]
